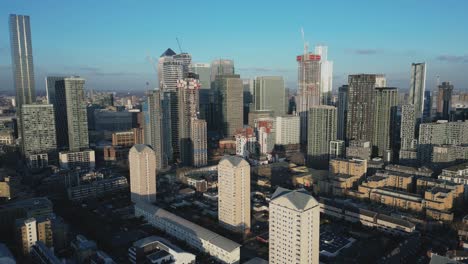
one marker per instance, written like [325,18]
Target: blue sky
[107,42]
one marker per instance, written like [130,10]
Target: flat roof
[333,243]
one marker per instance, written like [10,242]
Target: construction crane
[306,44]
[151,60]
[153,64]
[178,44]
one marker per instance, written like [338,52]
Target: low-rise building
[97,188]
[7,138]
[5,187]
[42,254]
[246,143]
[158,250]
[73,159]
[359,149]
[352,213]
[83,248]
[400,199]
[204,240]
[416,171]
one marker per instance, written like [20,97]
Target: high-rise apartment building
[417,89]
[294,227]
[234,194]
[188,96]
[22,60]
[385,105]
[230,98]
[444,100]
[269,94]
[142,164]
[361,106]
[157,135]
[287,130]
[66,94]
[408,142]
[440,133]
[309,94]
[322,130]
[326,74]
[342,108]
[199,143]
[38,133]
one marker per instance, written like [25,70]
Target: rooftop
[234,160]
[296,199]
[203,233]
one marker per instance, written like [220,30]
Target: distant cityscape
[210,167]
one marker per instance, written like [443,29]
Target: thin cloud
[96,71]
[365,51]
[264,69]
[453,58]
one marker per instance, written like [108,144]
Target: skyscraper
[326,74]
[408,154]
[360,115]
[294,227]
[269,94]
[444,100]
[417,89]
[66,94]
[342,109]
[309,94]
[199,143]
[322,130]
[385,104]
[204,75]
[22,60]
[38,134]
[77,121]
[156,134]
[234,194]
[203,70]
[230,98]
[169,71]
[188,96]
[427,112]
[142,164]
[221,67]
[171,68]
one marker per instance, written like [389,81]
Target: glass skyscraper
[22,60]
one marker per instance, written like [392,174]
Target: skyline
[81,48]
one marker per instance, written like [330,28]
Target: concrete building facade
[294,227]
[142,164]
[234,194]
